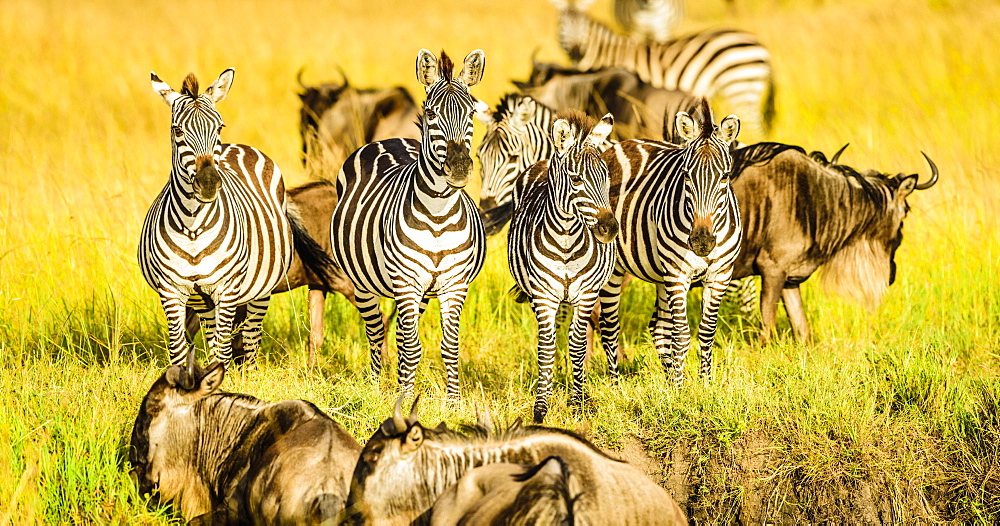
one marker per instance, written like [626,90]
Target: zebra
[517,136]
[652,20]
[679,223]
[405,229]
[560,244]
[722,63]
[219,237]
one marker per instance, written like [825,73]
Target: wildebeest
[404,467]
[638,107]
[511,494]
[226,458]
[336,119]
[801,213]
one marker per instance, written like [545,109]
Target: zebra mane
[707,126]
[505,108]
[446,65]
[190,85]
[583,123]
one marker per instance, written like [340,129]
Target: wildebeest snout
[206,179]
[702,239]
[457,164]
[606,228]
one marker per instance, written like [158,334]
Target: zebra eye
[178,132]
[576,178]
[429,113]
[221,126]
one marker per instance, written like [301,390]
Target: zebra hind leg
[247,331]
[371,315]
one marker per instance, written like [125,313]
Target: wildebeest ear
[174,375]
[686,127]
[729,128]
[414,439]
[562,136]
[907,183]
[427,68]
[212,379]
[472,71]
[163,89]
[220,88]
[601,131]
[483,113]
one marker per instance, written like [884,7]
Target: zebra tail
[313,257]
[518,294]
[495,218]
[769,111]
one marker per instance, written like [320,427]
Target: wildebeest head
[706,164]
[337,118]
[446,122]
[162,439]
[865,266]
[195,127]
[508,147]
[578,176]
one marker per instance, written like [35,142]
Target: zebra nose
[206,179]
[457,164]
[702,239]
[606,228]
[487,203]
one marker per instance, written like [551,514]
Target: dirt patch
[754,480]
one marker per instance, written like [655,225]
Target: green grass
[907,393]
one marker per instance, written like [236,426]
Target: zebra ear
[163,89]
[427,68]
[524,112]
[601,131]
[220,88]
[561,5]
[729,128]
[562,136]
[472,71]
[686,127]
[483,113]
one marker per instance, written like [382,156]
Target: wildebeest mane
[477,434]
[760,153]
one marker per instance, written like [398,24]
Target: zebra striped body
[517,136]
[649,19]
[217,238]
[729,64]
[560,242]
[679,224]
[405,229]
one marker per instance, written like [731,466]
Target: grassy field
[898,406]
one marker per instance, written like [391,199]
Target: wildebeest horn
[397,415]
[343,76]
[534,54]
[934,174]
[836,156]
[188,381]
[413,411]
[298,77]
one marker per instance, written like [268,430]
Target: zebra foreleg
[610,325]
[407,339]
[371,315]
[225,315]
[451,314]
[578,346]
[176,312]
[711,299]
[546,312]
[676,297]
[248,325]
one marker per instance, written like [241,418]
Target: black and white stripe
[723,63]
[649,19]
[405,229]
[217,239]
[560,242]
[679,224]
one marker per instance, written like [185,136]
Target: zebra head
[706,164]
[196,126]
[574,27]
[446,121]
[578,177]
[514,138]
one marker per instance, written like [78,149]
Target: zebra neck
[189,212]
[607,49]
[562,219]
[434,195]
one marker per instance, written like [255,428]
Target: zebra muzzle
[206,179]
[457,164]
[606,227]
[702,239]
